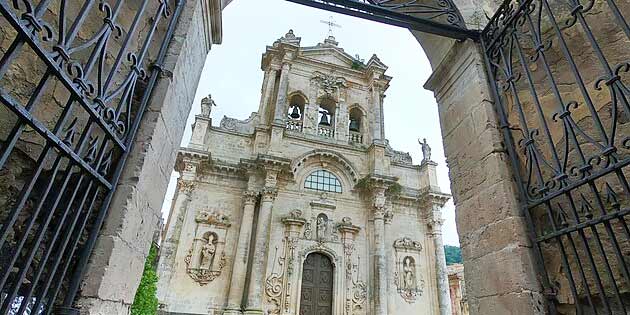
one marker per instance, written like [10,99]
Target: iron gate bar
[389,16]
[156,70]
[93,168]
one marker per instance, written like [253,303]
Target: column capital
[269,193]
[388,216]
[249,197]
[186,186]
[286,65]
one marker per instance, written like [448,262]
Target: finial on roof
[290,38]
[331,41]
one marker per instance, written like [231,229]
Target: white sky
[232,75]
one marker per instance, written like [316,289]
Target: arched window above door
[323,180]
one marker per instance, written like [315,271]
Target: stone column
[435,228]
[380,283]
[261,248]
[281,99]
[239,270]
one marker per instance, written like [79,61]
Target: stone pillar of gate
[499,263]
[117,262]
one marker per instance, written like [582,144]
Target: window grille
[323,181]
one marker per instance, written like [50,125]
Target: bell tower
[321,92]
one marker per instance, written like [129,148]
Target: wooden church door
[317,286]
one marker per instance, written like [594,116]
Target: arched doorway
[316,294]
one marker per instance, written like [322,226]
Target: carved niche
[206,257]
[321,229]
[409,282]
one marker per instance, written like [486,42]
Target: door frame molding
[337,303]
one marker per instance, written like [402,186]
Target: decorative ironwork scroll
[439,17]
[559,74]
[73,87]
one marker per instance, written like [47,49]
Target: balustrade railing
[355,137]
[325,132]
[294,125]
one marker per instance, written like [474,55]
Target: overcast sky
[232,75]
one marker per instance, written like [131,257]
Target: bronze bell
[324,120]
[295,114]
[354,125]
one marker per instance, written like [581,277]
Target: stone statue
[408,279]
[206,106]
[207,253]
[321,227]
[426,150]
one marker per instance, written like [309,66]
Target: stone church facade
[304,208]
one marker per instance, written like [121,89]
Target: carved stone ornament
[328,83]
[409,282]
[206,258]
[278,283]
[407,244]
[213,218]
[203,276]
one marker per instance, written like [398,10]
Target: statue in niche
[207,253]
[322,226]
[426,150]
[409,282]
[409,274]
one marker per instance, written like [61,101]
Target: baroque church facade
[304,208]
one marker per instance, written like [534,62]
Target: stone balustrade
[326,132]
[355,137]
[294,125]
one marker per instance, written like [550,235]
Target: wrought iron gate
[75,79]
[559,73]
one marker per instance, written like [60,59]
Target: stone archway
[472,144]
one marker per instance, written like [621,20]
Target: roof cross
[331,23]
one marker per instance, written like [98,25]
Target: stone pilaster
[389,259]
[239,270]
[380,274]
[168,248]
[293,228]
[281,99]
[261,248]
[267,96]
[348,235]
